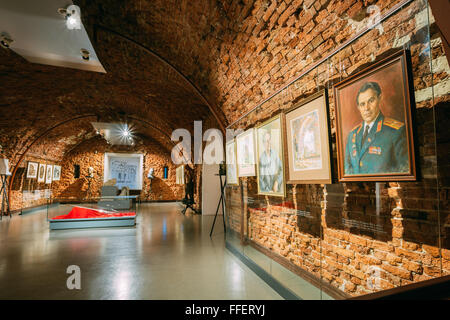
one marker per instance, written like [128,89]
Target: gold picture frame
[269,138]
[308,141]
[386,151]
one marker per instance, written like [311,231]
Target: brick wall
[91,154]
[358,237]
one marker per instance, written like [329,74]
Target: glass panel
[348,239]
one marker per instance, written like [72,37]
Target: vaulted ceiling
[170,62]
[138,87]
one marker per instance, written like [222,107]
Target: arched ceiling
[136,86]
[235,52]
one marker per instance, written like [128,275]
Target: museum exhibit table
[95,213]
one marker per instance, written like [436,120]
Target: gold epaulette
[393,123]
[359,125]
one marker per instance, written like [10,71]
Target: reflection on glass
[355,238]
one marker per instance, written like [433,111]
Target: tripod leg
[4,203]
[3,193]
[223,210]
[7,199]
[214,222]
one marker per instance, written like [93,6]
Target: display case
[353,236]
[102,212]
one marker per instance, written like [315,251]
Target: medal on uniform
[375,150]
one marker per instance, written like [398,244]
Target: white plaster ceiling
[40,35]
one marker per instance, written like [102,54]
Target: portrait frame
[231,145]
[246,169]
[32,170]
[390,73]
[280,154]
[56,173]
[41,173]
[48,174]
[311,112]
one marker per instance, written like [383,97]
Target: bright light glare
[125,134]
[73,23]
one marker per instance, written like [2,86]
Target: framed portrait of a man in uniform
[373,123]
[270,158]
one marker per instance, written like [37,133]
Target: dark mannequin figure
[189,190]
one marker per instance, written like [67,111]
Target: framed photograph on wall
[374,130]
[245,153]
[56,173]
[32,170]
[41,173]
[270,158]
[49,174]
[232,173]
[308,141]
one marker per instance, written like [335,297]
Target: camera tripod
[221,201]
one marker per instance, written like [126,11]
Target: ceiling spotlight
[126,133]
[5,41]
[72,15]
[85,54]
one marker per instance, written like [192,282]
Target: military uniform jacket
[384,150]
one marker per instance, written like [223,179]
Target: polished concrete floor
[165,256]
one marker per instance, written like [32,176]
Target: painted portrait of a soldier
[378,143]
[374,126]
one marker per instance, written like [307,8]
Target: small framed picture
[56,173]
[49,174]
[41,173]
[32,170]
[245,153]
[232,174]
[270,155]
[308,141]
[374,130]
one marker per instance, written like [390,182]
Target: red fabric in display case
[88,213]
